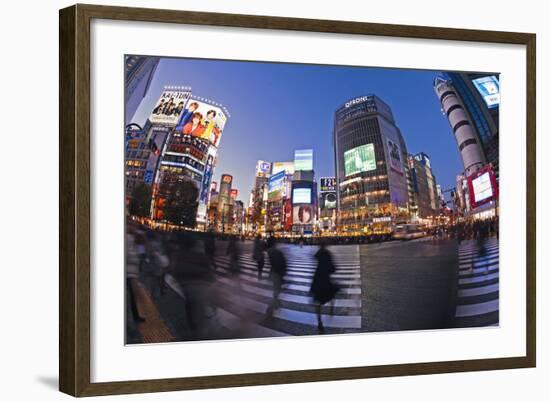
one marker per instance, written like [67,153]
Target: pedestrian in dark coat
[258,254]
[278,272]
[322,288]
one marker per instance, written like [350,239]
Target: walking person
[323,289]
[258,254]
[278,272]
[210,248]
[159,263]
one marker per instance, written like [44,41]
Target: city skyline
[408,92]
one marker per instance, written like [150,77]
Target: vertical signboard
[394,156]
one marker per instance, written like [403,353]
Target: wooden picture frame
[75,206]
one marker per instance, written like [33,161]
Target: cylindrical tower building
[467,141]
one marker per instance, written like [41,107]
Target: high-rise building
[189,153]
[480,97]
[371,166]
[225,204]
[473,117]
[425,187]
[139,72]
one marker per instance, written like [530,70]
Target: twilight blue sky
[276,108]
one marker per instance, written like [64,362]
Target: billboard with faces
[303,214]
[170,107]
[202,120]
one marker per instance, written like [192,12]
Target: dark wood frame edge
[74,199]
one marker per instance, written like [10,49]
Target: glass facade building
[371,166]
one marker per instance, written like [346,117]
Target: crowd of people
[190,261]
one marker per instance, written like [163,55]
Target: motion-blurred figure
[210,248]
[234,252]
[191,270]
[258,254]
[278,271]
[323,289]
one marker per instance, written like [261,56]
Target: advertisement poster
[329,200]
[301,195]
[482,187]
[287,167]
[169,107]
[276,186]
[489,89]
[303,214]
[394,156]
[303,160]
[359,159]
[202,120]
[205,187]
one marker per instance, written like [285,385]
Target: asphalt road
[408,285]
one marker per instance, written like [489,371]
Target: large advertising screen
[489,89]
[303,159]
[202,120]
[394,156]
[287,167]
[482,187]
[303,214]
[359,159]
[328,200]
[169,107]
[301,195]
[276,186]
[328,184]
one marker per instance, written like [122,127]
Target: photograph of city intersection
[278,199]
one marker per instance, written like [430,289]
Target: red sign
[288,215]
[482,187]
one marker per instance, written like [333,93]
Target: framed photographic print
[251,200]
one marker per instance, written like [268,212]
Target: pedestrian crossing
[478,284]
[246,297]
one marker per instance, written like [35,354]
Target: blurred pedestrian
[210,248]
[278,264]
[234,252]
[191,271]
[322,288]
[258,254]
[159,262]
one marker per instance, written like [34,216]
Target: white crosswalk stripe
[245,294]
[478,288]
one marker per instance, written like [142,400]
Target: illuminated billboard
[303,214]
[327,184]
[202,120]
[303,160]
[489,89]
[262,168]
[206,179]
[328,200]
[287,167]
[276,186]
[482,187]
[359,159]
[169,107]
[394,156]
[301,195]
